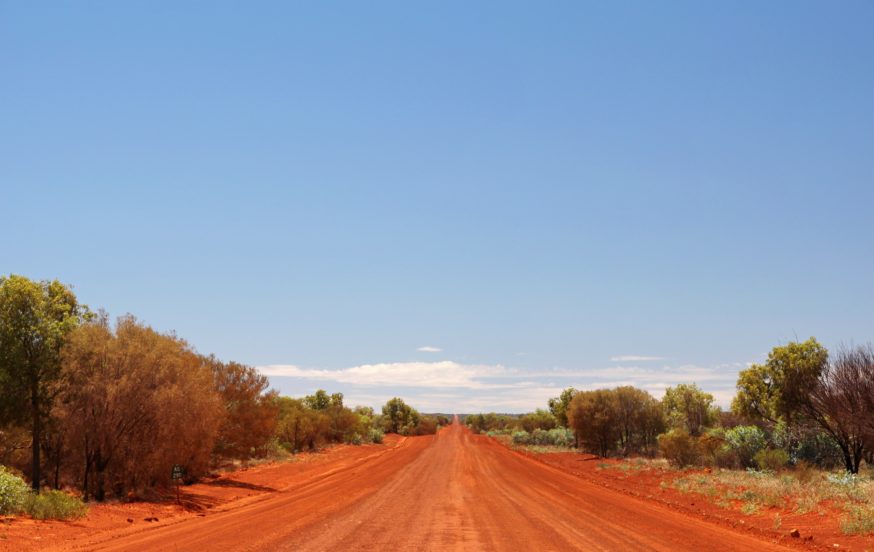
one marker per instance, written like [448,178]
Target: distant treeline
[801,406]
[110,409]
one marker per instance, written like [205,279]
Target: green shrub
[376,436]
[772,459]
[13,492]
[355,439]
[679,448]
[54,505]
[561,437]
[521,438]
[541,437]
[746,441]
[858,520]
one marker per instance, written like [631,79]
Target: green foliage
[859,519]
[398,416]
[376,436]
[800,386]
[559,437]
[679,448]
[777,389]
[485,423]
[539,419]
[746,442]
[772,459]
[558,406]
[806,443]
[54,505]
[687,406]
[322,401]
[35,320]
[818,448]
[300,427]
[13,492]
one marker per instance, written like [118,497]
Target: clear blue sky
[544,192]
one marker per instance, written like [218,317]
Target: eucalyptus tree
[35,320]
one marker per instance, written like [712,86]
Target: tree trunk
[848,459]
[37,434]
[101,481]
[58,473]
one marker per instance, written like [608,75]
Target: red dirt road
[455,491]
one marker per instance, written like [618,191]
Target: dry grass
[507,440]
[804,492]
[639,464]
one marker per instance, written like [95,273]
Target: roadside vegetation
[92,409]
[800,433]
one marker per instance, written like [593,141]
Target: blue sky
[564,194]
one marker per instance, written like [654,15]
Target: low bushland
[54,505]
[557,437]
[800,490]
[16,497]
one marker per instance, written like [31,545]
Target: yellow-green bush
[54,505]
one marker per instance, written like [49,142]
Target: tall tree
[686,405]
[135,402]
[594,419]
[841,403]
[558,405]
[35,320]
[250,408]
[398,415]
[640,419]
[801,387]
[778,389]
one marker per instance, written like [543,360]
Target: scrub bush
[679,448]
[13,492]
[54,505]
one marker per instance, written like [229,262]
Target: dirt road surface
[454,491]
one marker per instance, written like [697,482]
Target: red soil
[453,491]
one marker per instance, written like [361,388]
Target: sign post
[177,474]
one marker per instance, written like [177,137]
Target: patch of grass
[54,505]
[749,508]
[858,519]
[778,521]
[638,464]
[803,493]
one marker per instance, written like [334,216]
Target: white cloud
[453,386]
[429,349]
[634,358]
[446,374]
